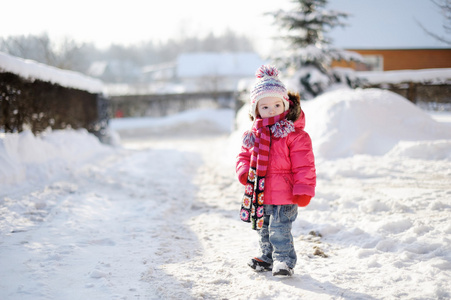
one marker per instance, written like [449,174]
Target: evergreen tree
[309,52]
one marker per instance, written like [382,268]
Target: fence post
[412,92]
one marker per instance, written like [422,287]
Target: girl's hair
[295,107]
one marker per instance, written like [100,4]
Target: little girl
[276,166]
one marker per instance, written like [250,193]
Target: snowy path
[213,266]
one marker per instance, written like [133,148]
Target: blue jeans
[276,241]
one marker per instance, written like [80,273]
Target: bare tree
[31,47]
[65,55]
[445,10]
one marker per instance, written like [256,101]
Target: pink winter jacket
[291,170]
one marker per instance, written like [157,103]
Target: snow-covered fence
[157,105]
[432,97]
[37,96]
[429,88]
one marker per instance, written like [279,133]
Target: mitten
[301,200]
[243,178]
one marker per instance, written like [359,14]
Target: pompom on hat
[268,85]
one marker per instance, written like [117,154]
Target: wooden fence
[38,105]
[427,96]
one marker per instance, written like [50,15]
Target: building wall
[404,59]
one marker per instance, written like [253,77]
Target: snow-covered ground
[157,217]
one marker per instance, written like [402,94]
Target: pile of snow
[426,150]
[32,70]
[27,158]
[347,122]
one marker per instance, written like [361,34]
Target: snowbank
[25,157]
[29,69]
[429,150]
[347,122]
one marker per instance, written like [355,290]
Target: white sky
[381,23]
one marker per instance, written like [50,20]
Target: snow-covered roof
[241,64]
[33,70]
[158,67]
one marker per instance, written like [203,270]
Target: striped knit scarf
[252,209]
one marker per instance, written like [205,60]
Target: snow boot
[259,265]
[281,269]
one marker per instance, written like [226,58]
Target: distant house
[202,71]
[207,71]
[399,59]
[163,72]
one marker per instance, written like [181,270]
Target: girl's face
[269,107]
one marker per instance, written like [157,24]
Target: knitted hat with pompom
[268,85]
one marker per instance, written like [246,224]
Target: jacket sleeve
[242,163]
[303,165]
